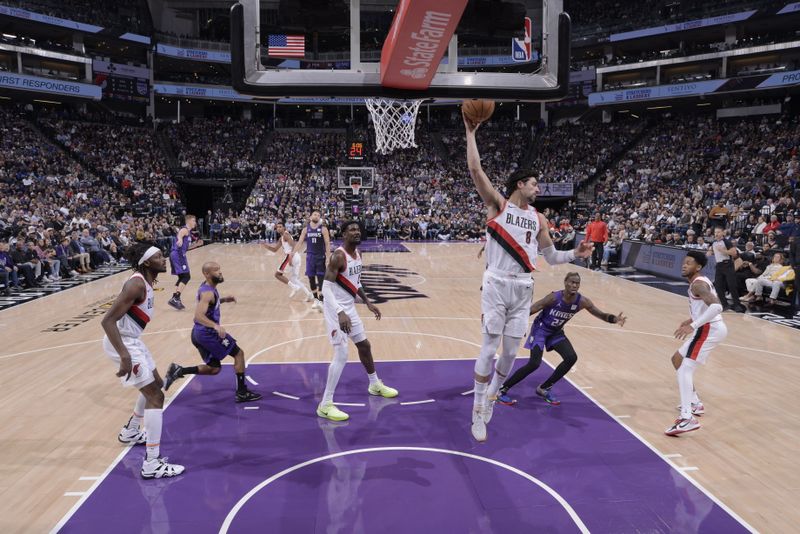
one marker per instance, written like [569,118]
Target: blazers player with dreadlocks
[124,324]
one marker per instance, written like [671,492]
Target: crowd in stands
[58,219]
[92,175]
[125,156]
[122,15]
[215,146]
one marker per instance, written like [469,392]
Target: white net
[394,122]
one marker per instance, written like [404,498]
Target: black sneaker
[247,396]
[175,303]
[173,373]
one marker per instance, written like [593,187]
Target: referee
[725,276]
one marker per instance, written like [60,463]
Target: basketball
[477,110]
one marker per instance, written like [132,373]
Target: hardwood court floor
[61,405]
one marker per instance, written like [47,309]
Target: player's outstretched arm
[132,292]
[299,244]
[331,305]
[273,248]
[553,256]
[491,196]
[542,303]
[587,304]
[701,291]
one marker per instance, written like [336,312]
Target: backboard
[510,50]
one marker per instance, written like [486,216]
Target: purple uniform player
[318,245]
[211,339]
[179,264]
[547,333]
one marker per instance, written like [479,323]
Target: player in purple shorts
[211,339]
[547,333]
[318,246]
[179,265]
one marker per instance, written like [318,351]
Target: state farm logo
[414,73]
[426,43]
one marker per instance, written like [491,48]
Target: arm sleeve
[712,311]
[555,257]
[329,298]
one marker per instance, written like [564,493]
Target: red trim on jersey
[697,342]
[139,317]
[285,261]
[502,209]
[345,284]
[509,245]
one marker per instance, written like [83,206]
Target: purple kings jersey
[213,307]
[553,318]
[315,243]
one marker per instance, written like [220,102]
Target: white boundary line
[118,459]
[74,493]
[691,468]
[251,407]
[417,402]
[564,504]
[665,458]
[250,379]
[285,396]
[88,478]
[354,404]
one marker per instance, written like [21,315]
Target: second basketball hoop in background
[477,110]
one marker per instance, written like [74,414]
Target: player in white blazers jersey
[707,330]
[514,235]
[341,286]
[123,324]
[290,263]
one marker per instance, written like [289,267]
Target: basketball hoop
[394,123]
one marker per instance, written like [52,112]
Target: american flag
[286,46]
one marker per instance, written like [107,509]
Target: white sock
[153,418]
[334,372]
[695,398]
[685,385]
[479,399]
[373,378]
[503,364]
[293,285]
[138,413]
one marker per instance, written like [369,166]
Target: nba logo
[521,48]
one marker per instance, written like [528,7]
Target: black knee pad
[312,282]
[183,278]
[215,363]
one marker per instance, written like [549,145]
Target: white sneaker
[488,409]
[159,468]
[317,305]
[131,436]
[309,296]
[478,425]
[74,273]
[293,292]
[681,426]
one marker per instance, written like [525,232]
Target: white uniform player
[340,287]
[515,234]
[703,331]
[707,336]
[130,327]
[511,250]
[348,282]
[291,263]
[123,324]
